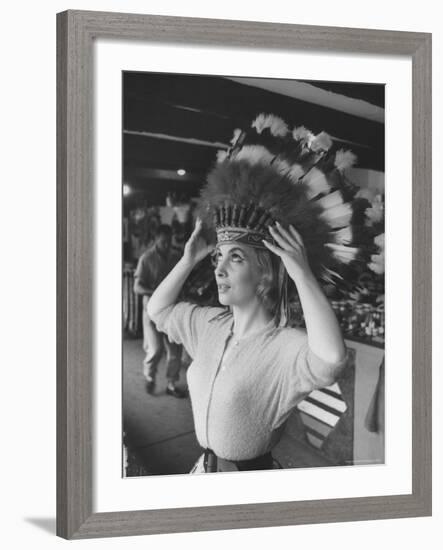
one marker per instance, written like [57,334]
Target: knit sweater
[240,410]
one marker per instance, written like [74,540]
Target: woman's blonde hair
[267,289]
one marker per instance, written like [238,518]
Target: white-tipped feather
[295,173]
[342,236]
[343,253]
[377,264]
[258,154]
[321,142]
[255,154]
[331,200]
[221,155]
[317,182]
[277,126]
[379,240]
[338,216]
[344,159]
[236,135]
[303,134]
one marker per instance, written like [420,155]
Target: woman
[270,207]
[248,374]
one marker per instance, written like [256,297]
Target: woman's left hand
[290,248]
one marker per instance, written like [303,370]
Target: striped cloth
[320,413]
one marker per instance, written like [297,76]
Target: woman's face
[236,274]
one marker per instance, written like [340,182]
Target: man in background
[152,268]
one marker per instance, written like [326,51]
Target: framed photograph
[153,112]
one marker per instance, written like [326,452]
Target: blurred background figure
[153,266]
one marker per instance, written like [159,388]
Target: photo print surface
[253,274]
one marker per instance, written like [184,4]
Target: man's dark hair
[163,229]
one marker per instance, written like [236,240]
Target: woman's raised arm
[168,290]
[324,333]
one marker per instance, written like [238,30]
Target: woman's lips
[223,288]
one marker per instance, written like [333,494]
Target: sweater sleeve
[184,323]
[310,372]
[303,373]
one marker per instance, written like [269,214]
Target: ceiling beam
[192,141]
[318,96]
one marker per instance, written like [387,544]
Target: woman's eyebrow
[237,249]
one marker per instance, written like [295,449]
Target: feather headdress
[273,174]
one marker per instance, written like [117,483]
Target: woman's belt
[213,463]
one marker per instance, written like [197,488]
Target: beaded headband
[245,224]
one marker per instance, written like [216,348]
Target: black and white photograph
[226,214]
[253,289]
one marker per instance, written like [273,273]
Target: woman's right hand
[196,247]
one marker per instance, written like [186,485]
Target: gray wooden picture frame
[76,32]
